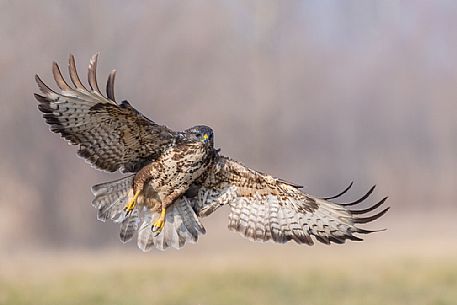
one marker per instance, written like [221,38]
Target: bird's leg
[158,225]
[138,186]
[128,208]
[160,222]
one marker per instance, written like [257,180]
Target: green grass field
[270,276]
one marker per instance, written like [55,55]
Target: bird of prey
[176,177]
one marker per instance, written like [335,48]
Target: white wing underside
[278,211]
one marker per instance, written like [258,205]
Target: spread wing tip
[74,73]
[110,85]
[92,78]
[58,77]
[340,194]
[370,218]
[373,207]
[361,199]
[45,89]
[92,74]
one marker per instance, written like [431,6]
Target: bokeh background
[317,92]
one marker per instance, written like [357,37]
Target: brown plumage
[110,136]
[181,177]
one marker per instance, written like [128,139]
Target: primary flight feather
[176,177]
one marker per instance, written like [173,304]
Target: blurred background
[321,93]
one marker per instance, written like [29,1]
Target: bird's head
[201,133]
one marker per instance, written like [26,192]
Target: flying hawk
[176,177]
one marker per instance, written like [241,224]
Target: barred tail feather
[129,226]
[181,226]
[111,197]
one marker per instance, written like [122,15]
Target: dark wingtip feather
[374,207]
[43,88]
[363,231]
[337,240]
[340,194]
[323,239]
[41,99]
[360,199]
[371,218]
[110,85]
[45,108]
[354,238]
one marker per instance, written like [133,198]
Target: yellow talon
[131,204]
[159,223]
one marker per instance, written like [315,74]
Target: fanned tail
[181,225]
[181,222]
[130,225]
[111,197]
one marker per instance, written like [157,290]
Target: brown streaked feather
[266,208]
[74,74]
[110,136]
[59,78]
[92,74]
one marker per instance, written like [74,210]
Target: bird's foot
[128,208]
[159,223]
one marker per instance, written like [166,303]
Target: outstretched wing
[110,136]
[266,208]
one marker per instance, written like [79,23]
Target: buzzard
[176,177]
